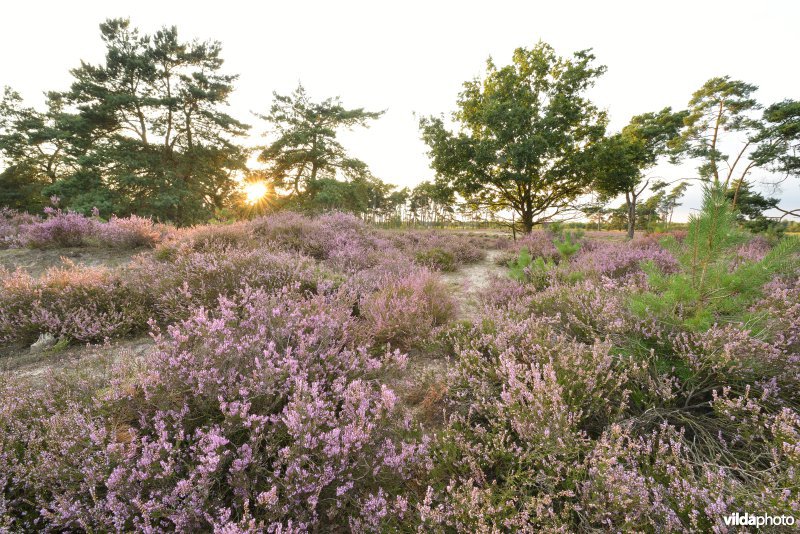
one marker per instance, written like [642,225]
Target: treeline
[146,132]
[528,140]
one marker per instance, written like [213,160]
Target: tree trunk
[513,225]
[630,201]
[527,221]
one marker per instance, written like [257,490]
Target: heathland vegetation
[242,346]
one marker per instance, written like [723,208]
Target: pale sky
[412,57]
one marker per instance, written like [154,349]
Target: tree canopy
[305,148]
[523,135]
[145,131]
[621,159]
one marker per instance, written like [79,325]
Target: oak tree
[522,134]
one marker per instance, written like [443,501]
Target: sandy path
[470,279]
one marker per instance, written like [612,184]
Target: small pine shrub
[568,244]
[536,272]
[711,284]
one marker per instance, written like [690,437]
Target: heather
[63,229]
[10,223]
[73,303]
[438,250]
[316,374]
[571,322]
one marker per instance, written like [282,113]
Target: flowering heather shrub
[586,309]
[200,238]
[294,232]
[617,260]
[637,482]
[523,401]
[70,229]
[439,250]
[779,313]
[754,250]
[265,406]
[343,241]
[73,302]
[259,416]
[401,305]
[198,279]
[436,258]
[60,229]
[130,232]
[10,222]
[538,244]
[551,433]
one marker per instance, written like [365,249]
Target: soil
[37,261]
[470,279]
[22,363]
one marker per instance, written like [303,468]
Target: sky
[411,58]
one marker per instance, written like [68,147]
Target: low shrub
[621,260]
[72,302]
[205,237]
[436,258]
[192,280]
[10,223]
[130,232]
[401,309]
[439,250]
[59,229]
[261,415]
[538,244]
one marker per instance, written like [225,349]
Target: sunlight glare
[255,191]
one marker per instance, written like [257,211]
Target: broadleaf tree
[522,134]
[621,160]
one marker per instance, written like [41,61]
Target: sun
[255,191]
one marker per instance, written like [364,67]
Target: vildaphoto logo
[763,520]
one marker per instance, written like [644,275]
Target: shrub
[403,309]
[191,280]
[439,250]
[294,232]
[621,260]
[632,387]
[538,244]
[10,223]
[567,413]
[130,232]
[539,272]
[205,237]
[711,284]
[567,244]
[343,241]
[72,302]
[436,258]
[60,229]
[260,415]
